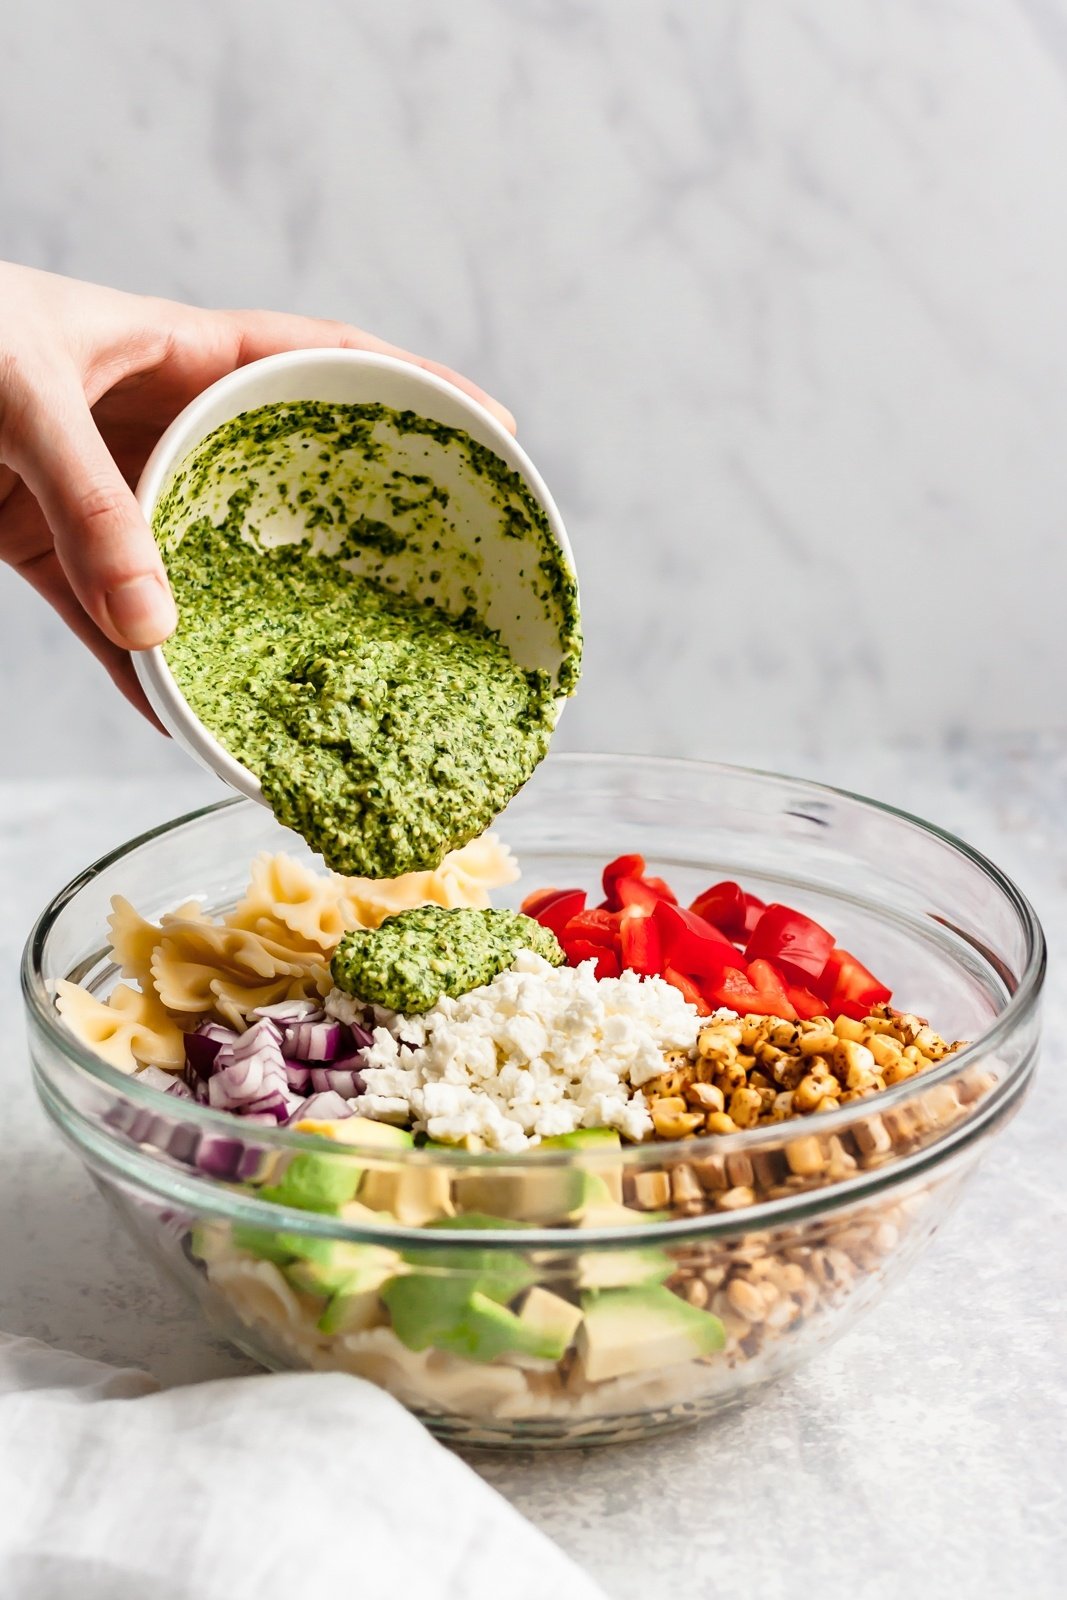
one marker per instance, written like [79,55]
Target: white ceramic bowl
[505,579]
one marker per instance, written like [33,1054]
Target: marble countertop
[923,1453]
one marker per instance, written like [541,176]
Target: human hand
[89,379]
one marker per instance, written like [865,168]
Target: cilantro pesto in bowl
[378,615]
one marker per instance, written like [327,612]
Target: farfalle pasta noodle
[275,945]
[128,1030]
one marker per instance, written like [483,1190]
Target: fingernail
[143,612]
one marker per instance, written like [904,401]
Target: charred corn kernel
[676,1060]
[806,1095]
[652,1190]
[719,1122]
[705,1095]
[711,1173]
[805,1156]
[745,1107]
[746,1299]
[871,1137]
[884,1048]
[697,1293]
[735,1199]
[817,1041]
[739,1171]
[671,1120]
[784,1035]
[846,1028]
[857,1063]
[684,1185]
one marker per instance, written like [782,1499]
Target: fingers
[103,543]
[266,333]
[47,577]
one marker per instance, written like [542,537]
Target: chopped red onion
[298,1076]
[325,1107]
[203,1046]
[249,1074]
[343,1077]
[286,1012]
[312,1041]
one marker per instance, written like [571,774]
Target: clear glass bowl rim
[1020,1005]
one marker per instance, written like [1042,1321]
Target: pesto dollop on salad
[417,956]
[384,728]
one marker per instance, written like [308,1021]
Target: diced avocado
[343,1266]
[353,1311]
[530,1196]
[555,1319]
[622,1269]
[361,1130]
[640,1330]
[583,1139]
[602,1205]
[415,1197]
[500,1274]
[325,1182]
[210,1241]
[270,1244]
[442,1313]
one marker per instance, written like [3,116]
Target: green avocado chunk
[446,1315]
[417,956]
[641,1330]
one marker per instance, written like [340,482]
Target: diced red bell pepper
[579,950]
[770,986]
[754,909]
[637,894]
[805,1004]
[690,944]
[798,946]
[537,899]
[686,987]
[723,905]
[640,946]
[758,992]
[598,927]
[662,888]
[558,912]
[846,982]
[632,866]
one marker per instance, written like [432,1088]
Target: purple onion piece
[347,1081]
[219,1156]
[325,1107]
[202,1047]
[313,1041]
[298,1076]
[362,1038]
[250,1070]
[286,1012]
[180,1089]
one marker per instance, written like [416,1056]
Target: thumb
[104,545]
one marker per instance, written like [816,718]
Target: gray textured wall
[776,292]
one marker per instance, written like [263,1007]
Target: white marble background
[776,291]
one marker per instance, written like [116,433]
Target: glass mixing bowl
[611,1259]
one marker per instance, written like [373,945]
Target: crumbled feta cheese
[540,1051]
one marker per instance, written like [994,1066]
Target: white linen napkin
[278,1487]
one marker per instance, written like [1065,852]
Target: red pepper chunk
[686,987]
[690,944]
[798,947]
[595,926]
[632,866]
[758,992]
[559,911]
[723,905]
[849,987]
[606,961]
[640,946]
[805,1004]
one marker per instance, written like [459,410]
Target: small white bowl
[498,565]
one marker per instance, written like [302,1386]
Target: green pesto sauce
[382,728]
[415,957]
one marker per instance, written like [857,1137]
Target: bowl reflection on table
[786,1231]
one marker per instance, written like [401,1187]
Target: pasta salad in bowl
[664,1118]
